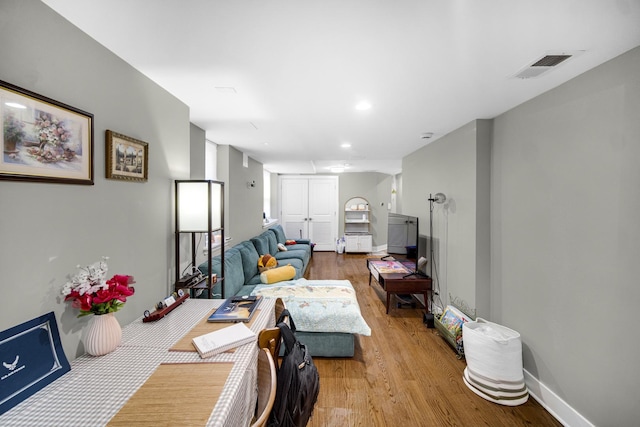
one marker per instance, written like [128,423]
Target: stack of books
[237,310]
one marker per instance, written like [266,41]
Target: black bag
[298,383]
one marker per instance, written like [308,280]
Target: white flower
[89,279]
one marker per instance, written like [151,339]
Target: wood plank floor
[404,374]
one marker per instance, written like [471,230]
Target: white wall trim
[379,249]
[554,404]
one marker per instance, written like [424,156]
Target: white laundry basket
[494,362]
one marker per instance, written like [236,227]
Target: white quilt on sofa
[319,305]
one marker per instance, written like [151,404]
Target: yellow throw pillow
[273,275]
[266,262]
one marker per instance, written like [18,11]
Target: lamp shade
[439,198]
[195,201]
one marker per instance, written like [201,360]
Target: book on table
[223,339]
[389,266]
[236,309]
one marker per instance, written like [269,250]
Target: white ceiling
[299,67]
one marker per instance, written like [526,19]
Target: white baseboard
[382,249]
[554,404]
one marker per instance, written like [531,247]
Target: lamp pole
[436,198]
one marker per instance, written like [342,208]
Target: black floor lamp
[436,198]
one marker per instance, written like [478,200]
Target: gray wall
[48,229]
[458,166]
[562,239]
[198,156]
[243,204]
[565,237]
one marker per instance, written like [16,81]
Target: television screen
[403,238]
[402,231]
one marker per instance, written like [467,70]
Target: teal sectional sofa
[241,276]
[241,273]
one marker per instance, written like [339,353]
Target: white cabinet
[358,243]
[357,222]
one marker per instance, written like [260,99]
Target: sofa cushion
[273,243]
[215,263]
[301,244]
[283,257]
[261,244]
[233,272]
[279,233]
[250,259]
[295,263]
[265,243]
[299,247]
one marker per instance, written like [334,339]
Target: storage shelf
[357,225]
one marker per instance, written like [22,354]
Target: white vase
[104,335]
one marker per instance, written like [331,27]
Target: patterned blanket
[319,305]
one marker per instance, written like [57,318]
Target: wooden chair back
[280,306]
[266,387]
[270,339]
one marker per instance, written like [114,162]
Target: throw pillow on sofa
[278,274]
[266,262]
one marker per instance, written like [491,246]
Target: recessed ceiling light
[337,170]
[362,106]
[426,135]
[345,145]
[15,105]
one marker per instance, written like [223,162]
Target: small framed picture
[126,158]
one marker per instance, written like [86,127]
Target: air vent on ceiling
[544,64]
[550,60]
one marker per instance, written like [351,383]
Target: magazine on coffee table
[236,309]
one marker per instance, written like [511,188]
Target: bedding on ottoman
[319,305]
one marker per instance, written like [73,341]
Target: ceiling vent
[544,64]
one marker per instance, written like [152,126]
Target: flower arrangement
[13,127]
[54,139]
[89,290]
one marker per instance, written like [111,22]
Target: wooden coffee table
[395,280]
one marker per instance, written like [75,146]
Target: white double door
[309,209]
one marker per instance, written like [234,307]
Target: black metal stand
[431,255]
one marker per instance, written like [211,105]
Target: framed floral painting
[126,158]
[44,140]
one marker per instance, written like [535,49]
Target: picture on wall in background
[127,158]
[44,140]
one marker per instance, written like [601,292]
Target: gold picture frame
[127,158]
[44,140]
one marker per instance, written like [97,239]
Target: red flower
[83,302]
[99,296]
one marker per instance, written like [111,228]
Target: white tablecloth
[97,387]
